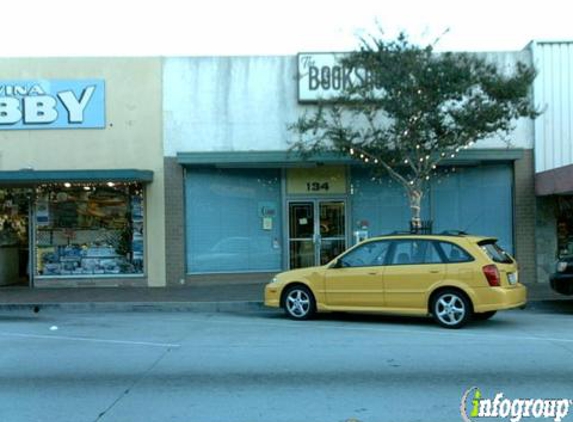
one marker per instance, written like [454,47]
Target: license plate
[512,278]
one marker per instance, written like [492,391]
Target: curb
[535,305]
[213,307]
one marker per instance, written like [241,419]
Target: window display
[89,230]
[565,226]
[13,217]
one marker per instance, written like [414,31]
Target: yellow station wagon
[450,277]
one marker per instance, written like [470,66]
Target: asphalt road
[187,367]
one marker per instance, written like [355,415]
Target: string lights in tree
[423,112]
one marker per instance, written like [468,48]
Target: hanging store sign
[321,77]
[316,181]
[52,104]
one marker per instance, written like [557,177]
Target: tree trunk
[415,194]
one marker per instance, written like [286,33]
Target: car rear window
[454,253]
[495,252]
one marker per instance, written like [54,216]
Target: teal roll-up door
[381,202]
[478,200]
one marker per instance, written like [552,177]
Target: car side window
[415,251]
[366,255]
[454,253]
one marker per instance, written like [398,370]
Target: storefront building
[155,172]
[81,172]
[553,94]
[239,205]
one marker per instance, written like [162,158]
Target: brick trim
[524,217]
[174,222]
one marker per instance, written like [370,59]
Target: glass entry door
[317,231]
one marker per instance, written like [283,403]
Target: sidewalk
[207,298]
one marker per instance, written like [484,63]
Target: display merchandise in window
[89,230]
[565,226]
[14,217]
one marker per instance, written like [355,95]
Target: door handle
[434,271]
[373,273]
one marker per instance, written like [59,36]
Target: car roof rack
[396,232]
[443,233]
[453,233]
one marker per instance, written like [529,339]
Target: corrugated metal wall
[553,93]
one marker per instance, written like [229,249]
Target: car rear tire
[482,316]
[299,303]
[451,308]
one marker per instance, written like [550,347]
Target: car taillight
[492,274]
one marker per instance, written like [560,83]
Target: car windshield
[495,252]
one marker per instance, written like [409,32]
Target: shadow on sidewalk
[246,292]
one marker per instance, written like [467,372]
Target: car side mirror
[339,264]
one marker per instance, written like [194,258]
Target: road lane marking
[91,340]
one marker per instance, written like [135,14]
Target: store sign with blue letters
[52,104]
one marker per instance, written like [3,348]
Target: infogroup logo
[475,406]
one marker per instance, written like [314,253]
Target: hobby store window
[89,230]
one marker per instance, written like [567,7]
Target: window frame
[446,257]
[506,258]
[340,259]
[392,251]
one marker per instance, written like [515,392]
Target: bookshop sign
[322,77]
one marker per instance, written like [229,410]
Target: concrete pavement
[260,367]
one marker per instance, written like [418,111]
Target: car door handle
[373,273]
[434,271]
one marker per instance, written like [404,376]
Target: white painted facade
[246,103]
[228,103]
[553,95]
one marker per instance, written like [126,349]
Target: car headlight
[274,280]
[561,266]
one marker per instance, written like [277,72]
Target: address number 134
[317,186]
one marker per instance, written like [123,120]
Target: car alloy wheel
[299,303]
[451,309]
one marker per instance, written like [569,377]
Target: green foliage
[425,107]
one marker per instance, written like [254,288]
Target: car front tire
[451,309]
[299,303]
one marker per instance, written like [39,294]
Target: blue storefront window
[233,220]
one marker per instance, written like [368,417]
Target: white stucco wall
[228,103]
[245,103]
